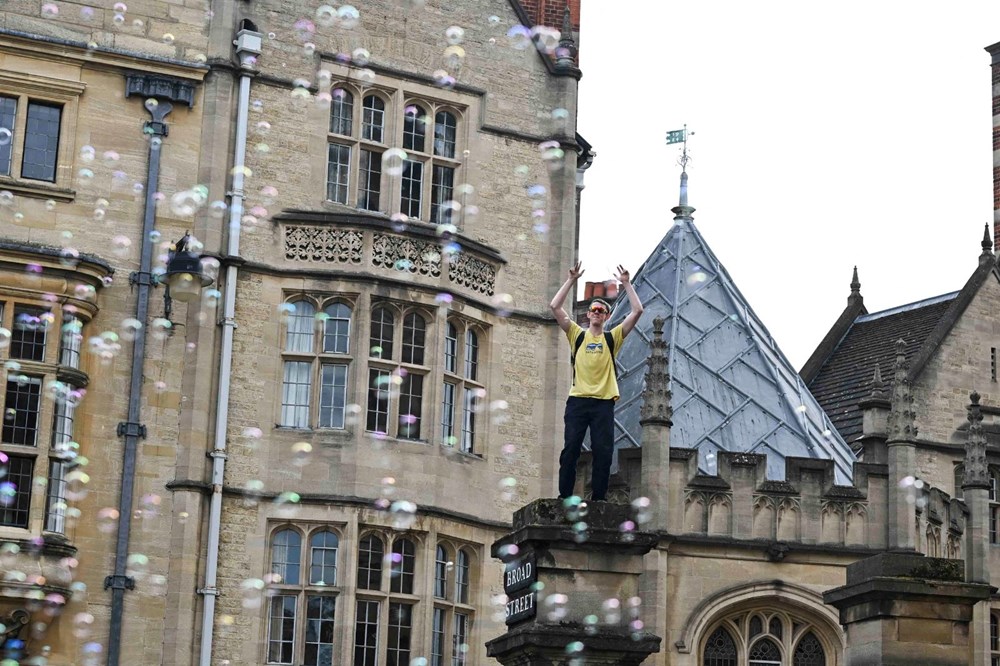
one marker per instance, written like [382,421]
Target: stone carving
[761,503]
[977,474]
[902,418]
[472,273]
[335,246]
[406,255]
[878,386]
[656,396]
[157,85]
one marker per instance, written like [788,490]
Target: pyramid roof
[732,387]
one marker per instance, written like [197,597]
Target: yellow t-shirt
[595,372]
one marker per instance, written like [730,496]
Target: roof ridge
[933,300]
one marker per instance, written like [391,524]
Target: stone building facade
[310,461]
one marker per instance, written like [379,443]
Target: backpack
[608,338]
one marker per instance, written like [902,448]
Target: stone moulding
[398,253]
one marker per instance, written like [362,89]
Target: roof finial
[680,136]
[855,296]
[566,51]
[878,386]
[987,245]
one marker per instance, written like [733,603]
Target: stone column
[654,417]
[573,582]
[901,450]
[904,609]
[976,493]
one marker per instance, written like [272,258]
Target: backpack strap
[610,339]
[572,356]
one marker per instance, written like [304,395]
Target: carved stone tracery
[304,243]
[407,255]
[472,273]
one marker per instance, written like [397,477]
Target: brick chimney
[994,51]
[550,12]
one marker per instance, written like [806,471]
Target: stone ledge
[544,523]
[545,645]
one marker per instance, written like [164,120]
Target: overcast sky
[826,135]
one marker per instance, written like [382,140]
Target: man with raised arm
[591,401]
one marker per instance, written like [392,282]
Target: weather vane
[680,136]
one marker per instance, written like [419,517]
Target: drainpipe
[132,429]
[248,44]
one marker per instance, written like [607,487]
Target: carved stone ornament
[656,395]
[406,255]
[472,273]
[902,418]
[160,87]
[977,473]
[333,246]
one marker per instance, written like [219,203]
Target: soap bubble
[545,37]
[326,15]
[392,161]
[520,37]
[403,513]
[168,38]
[348,17]
[454,34]
[361,57]
[555,607]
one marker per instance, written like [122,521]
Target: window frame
[431,199]
[361,179]
[462,395]
[749,627]
[308,347]
[49,452]
[451,606]
[47,91]
[399,394]
[387,595]
[303,590]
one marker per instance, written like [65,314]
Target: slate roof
[732,387]
[845,378]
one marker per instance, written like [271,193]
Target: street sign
[520,574]
[521,608]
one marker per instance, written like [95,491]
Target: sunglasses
[598,309]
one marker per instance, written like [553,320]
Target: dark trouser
[599,416]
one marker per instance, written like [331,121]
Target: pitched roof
[733,389]
[845,376]
[839,372]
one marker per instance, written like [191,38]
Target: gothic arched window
[720,650]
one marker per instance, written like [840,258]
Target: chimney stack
[994,51]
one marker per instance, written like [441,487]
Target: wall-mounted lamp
[184,278]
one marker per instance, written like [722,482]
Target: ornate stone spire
[656,396]
[566,51]
[878,386]
[987,245]
[976,472]
[855,288]
[902,418]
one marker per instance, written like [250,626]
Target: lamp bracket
[119,582]
[131,429]
[143,278]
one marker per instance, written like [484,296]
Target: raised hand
[622,275]
[576,271]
